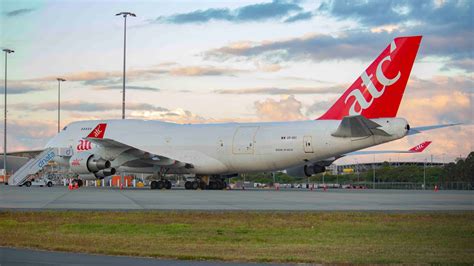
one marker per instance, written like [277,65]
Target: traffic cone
[76,186]
[324,188]
[121,186]
[436,188]
[70,186]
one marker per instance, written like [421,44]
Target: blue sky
[217,61]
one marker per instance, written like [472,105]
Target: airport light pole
[373,173]
[7,51]
[125,15]
[424,175]
[59,102]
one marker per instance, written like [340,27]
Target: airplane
[364,116]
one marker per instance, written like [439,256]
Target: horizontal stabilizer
[417,149]
[358,126]
[417,130]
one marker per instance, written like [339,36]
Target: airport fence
[419,186]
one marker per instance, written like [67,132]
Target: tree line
[462,170]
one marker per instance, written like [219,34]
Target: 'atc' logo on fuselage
[84,145]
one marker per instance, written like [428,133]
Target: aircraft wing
[416,149]
[27,154]
[139,156]
[135,153]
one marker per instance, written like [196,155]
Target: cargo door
[244,140]
[308,145]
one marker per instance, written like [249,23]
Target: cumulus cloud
[276,9]
[111,79]
[439,84]
[265,67]
[178,115]
[466,64]
[29,134]
[446,27]
[81,106]
[315,47]
[300,17]
[284,91]
[191,71]
[319,107]
[386,12]
[20,87]
[286,109]
[442,108]
[18,12]
[127,87]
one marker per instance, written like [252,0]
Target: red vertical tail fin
[379,90]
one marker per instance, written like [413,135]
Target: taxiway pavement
[90,198]
[20,256]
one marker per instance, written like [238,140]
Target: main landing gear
[160,184]
[206,182]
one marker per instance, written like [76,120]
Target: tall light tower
[59,102]
[125,15]
[7,51]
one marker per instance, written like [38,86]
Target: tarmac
[91,198]
[19,256]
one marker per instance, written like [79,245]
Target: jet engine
[103,173]
[306,170]
[86,163]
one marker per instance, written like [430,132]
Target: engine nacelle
[86,163]
[305,170]
[104,173]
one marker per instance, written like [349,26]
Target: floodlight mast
[125,15]
[59,102]
[7,51]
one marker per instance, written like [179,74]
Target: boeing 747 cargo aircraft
[364,116]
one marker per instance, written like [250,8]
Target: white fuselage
[229,147]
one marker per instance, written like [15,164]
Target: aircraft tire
[160,184]
[202,185]
[195,185]
[50,184]
[153,185]
[213,185]
[222,185]
[187,185]
[28,183]
[168,184]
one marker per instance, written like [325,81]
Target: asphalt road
[90,198]
[15,256]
